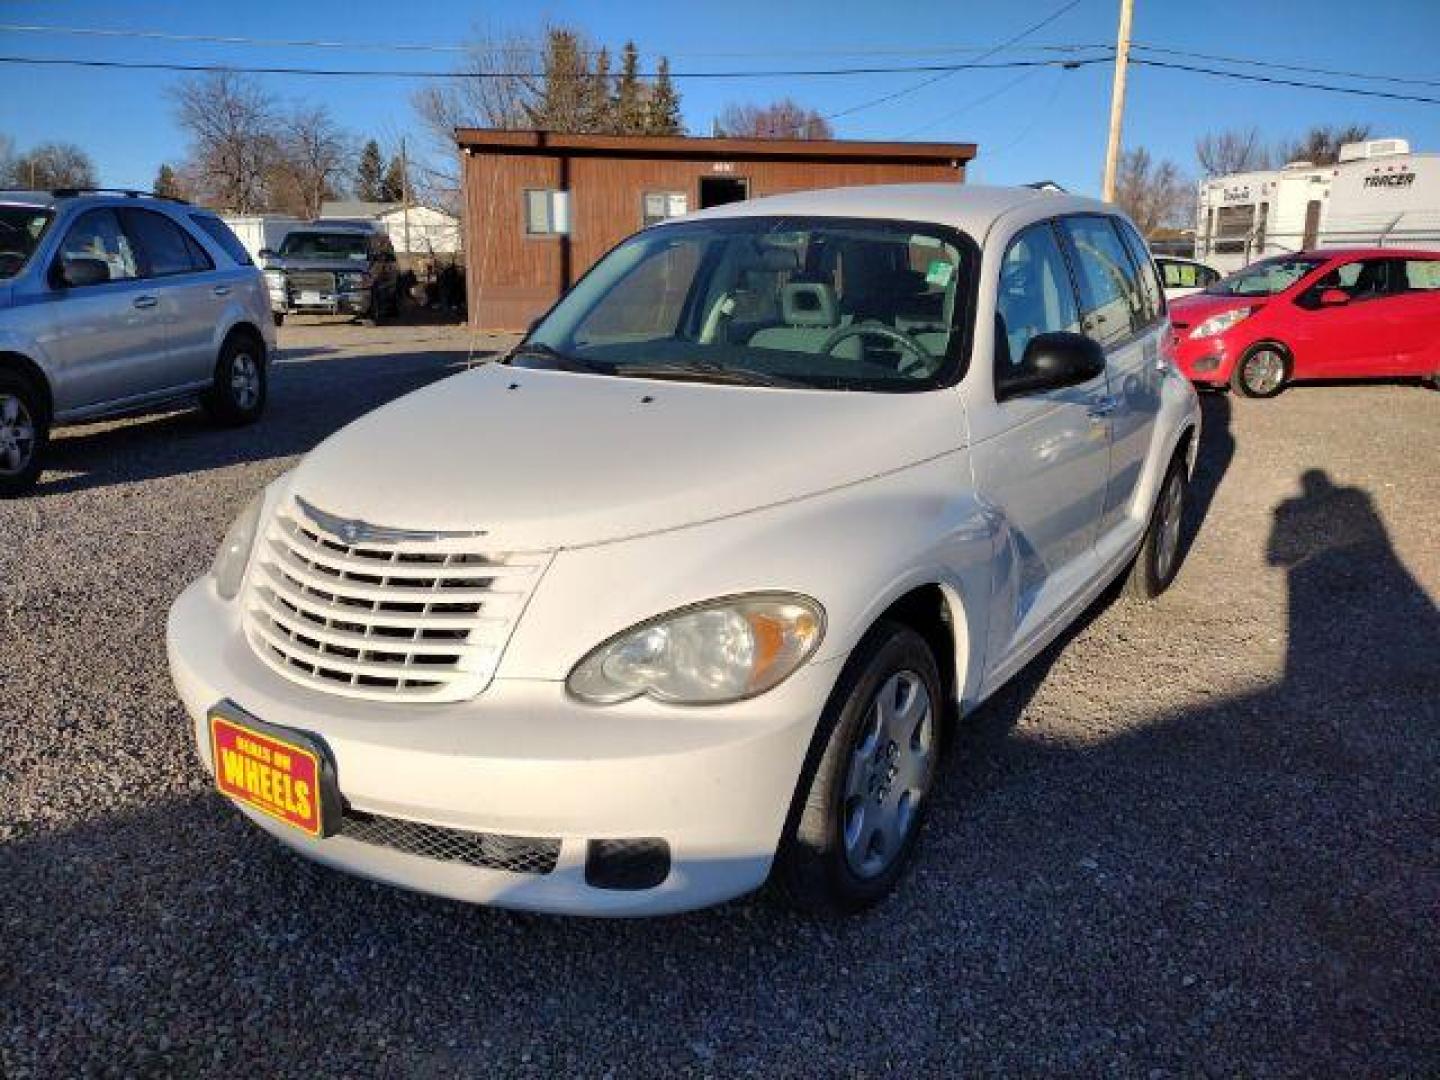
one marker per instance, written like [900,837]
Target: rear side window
[1111,303]
[97,236]
[165,248]
[1035,297]
[229,243]
[1419,275]
[1150,288]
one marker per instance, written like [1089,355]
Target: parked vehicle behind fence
[1336,313]
[683,596]
[116,302]
[330,268]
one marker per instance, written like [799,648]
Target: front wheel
[1261,373]
[1158,560]
[238,394]
[860,805]
[24,433]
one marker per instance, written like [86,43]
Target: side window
[1205,277]
[1151,291]
[165,248]
[1035,297]
[229,243]
[546,212]
[1418,275]
[97,236]
[1366,279]
[1111,304]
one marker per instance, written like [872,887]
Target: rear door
[1122,312]
[191,293]
[106,340]
[1412,315]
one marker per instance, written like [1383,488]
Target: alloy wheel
[888,775]
[244,381]
[1264,372]
[17,435]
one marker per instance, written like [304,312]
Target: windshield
[20,230]
[816,302]
[1264,278]
[318,245]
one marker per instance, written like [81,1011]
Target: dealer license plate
[275,774]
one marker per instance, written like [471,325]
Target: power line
[977,63]
[1255,62]
[399,73]
[972,104]
[1275,81]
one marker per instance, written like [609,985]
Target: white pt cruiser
[683,594]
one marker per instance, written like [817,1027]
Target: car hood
[316,264]
[544,459]
[1189,311]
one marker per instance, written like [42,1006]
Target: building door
[1312,225]
[719,190]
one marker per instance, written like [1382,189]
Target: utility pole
[1117,101]
[405,195]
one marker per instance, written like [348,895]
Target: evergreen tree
[167,183]
[561,105]
[393,186]
[369,174]
[629,94]
[599,103]
[664,111]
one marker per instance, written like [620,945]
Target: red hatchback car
[1350,313]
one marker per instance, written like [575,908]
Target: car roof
[1373,252]
[28,198]
[971,208]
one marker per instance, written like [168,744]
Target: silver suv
[116,302]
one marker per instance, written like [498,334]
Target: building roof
[354,208]
[972,208]
[492,140]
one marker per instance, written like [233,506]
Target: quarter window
[97,236]
[1111,303]
[165,248]
[218,231]
[1150,288]
[1035,297]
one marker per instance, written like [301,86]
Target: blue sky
[1047,124]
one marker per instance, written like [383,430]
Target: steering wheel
[923,360]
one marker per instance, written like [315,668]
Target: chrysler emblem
[351,531]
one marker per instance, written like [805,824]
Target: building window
[657,206]
[547,213]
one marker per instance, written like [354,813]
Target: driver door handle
[145,301]
[1103,408]
[221,290]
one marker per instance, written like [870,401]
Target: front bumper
[340,302]
[525,760]
[1208,361]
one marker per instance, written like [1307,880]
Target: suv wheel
[1158,560]
[238,394]
[24,433]
[859,807]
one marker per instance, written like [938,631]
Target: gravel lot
[1200,837]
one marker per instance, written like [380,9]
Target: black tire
[1255,376]
[815,867]
[1162,547]
[24,434]
[279,317]
[235,400]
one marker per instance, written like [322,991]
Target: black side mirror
[72,273]
[266,254]
[1055,360]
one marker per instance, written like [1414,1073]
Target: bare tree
[1153,193]
[1233,151]
[54,165]
[314,157]
[1321,144]
[783,119]
[231,122]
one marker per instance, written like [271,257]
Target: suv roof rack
[129,193]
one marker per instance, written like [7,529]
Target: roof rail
[129,193]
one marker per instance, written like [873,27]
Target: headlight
[719,651]
[275,279]
[228,570]
[1218,324]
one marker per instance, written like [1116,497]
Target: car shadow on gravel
[1246,887]
[308,401]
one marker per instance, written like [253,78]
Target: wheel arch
[935,611]
[34,374]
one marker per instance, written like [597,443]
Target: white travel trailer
[1379,193]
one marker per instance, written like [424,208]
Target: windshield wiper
[559,361]
[700,371]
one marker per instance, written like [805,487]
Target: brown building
[541,207]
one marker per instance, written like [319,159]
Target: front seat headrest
[806,303]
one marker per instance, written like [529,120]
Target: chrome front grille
[311,280]
[413,620]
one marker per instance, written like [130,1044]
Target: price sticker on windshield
[939,273]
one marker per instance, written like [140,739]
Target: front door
[1349,340]
[105,340]
[1041,459]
